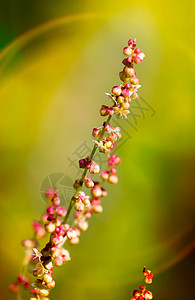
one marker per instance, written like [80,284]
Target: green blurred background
[57,60]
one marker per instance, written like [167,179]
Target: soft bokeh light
[53,79]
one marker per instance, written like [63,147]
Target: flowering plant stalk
[54,221]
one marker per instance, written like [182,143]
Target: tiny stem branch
[72,201]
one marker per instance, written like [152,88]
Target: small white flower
[94,169]
[36,254]
[123,113]
[81,193]
[110,97]
[40,270]
[100,145]
[116,130]
[66,254]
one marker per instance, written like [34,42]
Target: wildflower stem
[72,201]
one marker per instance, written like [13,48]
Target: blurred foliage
[57,61]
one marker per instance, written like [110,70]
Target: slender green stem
[78,189]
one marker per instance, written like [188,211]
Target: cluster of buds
[123,94]
[134,55]
[94,205]
[148,276]
[106,110]
[109,175]
[21,281]
[53,252]
[52,217]
[81,200]
[87,163]
[142,293]
[106,144]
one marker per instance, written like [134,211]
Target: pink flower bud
[57,222]
[148,295]
[82,163]
[148,278]
[26,284]
[127,86]
[104,192]
[74,241]
[29,243]
[97,208]
[129,71]
[96,191]
[81,196]
[127,51]
[132,43]
[34,291]
[14,288]
[86,201]
[50,218]
[110,111]
[44,292]
[137,51]
[96,132]
[96,201]
[57,239]
[113,170]
[104,175]
[128,61]
[88,214]
[50,227]
[61,211]
[141,55]
[55,251]
[77,215]
[107,127]
[120,99]
[49,193]
[113,179]
[103,110]
[114,160]
[134,80]
[44,218]
[65,254]
[136,293]
[88,182]
[123,77]
[83,225]
[116,90]
[20,278]
[79,206]
[51,210]
[94,168]
[126,93]
[60,230]
[39,229]
[136,59]
[58,261]
[51,285]
[56,201]
[77,231]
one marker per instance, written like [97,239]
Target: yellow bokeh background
[52,82]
